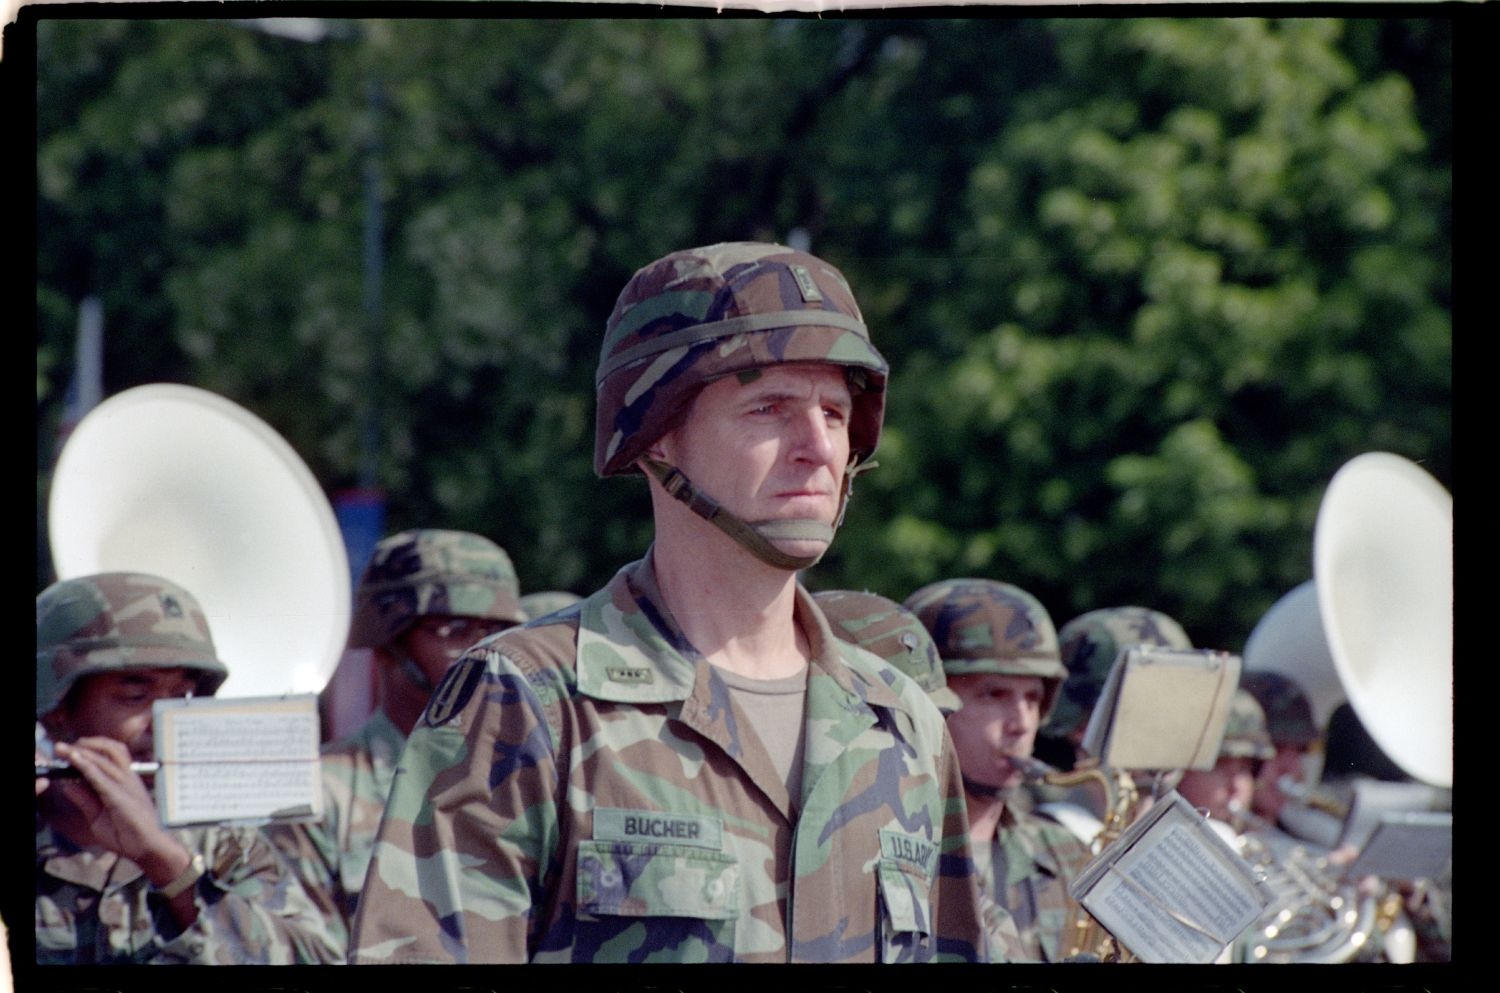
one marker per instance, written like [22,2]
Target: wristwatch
[187,877]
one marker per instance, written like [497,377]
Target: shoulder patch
[457,686]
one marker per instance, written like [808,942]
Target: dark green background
[1145,284]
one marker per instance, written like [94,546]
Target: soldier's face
[772,448]
[998,721]
[118,705]
[1224,790]
[436,641]
[1268,796]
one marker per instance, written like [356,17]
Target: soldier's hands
[116,809]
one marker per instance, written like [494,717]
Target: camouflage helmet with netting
[1090,644]
[984,625]
[425,572]
[890,631]
[1245,734]
[1288,712]
[118,621]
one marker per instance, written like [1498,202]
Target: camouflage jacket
[96,908]
[331,856]
[582,789]
[1040,858]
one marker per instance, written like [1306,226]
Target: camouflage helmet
[540,604]
[423,572]
[1245,734]
[1288,713]
[887,629]
[701,314]
[698,315]
[118,621]
[983,625]
[1090,644]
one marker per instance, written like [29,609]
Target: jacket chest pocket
[643,901]
[906,912]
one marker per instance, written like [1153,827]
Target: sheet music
[245,760]
[1134,727]
[1170,889]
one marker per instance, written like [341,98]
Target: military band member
[425,596]
[113,886]
[1090,644]
[1294,736]
[1000,655]
[687,765]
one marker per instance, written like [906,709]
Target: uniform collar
[631,649]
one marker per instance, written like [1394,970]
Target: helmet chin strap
[410,669]
[756,537]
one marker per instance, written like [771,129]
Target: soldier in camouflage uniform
[112,885]
[1224,792]
[545,602]
[889,630]
[425,596]
[1000,655]
[1090,644]
[687,765]
[1293,733]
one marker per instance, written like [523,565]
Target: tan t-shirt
[776,708]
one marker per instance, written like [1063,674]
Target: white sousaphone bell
[1375,624]
[182,483]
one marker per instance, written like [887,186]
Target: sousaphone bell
[183,483]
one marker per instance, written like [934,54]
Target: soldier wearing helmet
[113,886]
[424,597]
[1293,733]
[889,630]
[1224,792]
[684,765]
[1090,644]
[1000,655]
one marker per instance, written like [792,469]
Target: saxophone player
[1000,655]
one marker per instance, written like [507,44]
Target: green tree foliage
[1145,284]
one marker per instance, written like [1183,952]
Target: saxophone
[1090,940]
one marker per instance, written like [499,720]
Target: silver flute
[58,769]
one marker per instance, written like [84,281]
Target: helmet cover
[115,622]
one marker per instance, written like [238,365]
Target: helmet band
[727,327]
